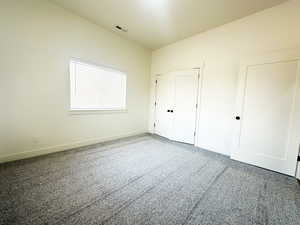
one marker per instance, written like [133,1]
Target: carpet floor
[144,180]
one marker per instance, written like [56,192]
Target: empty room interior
[157,112]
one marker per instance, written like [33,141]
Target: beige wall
[221,49]
[37,40]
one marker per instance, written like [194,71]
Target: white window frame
[92,110]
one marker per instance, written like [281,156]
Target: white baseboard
[64,147]
[298,171]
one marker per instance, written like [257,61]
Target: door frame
[287,55]
[198,97]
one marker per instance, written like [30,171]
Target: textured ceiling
[155,23]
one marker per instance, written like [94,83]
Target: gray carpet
[144,180]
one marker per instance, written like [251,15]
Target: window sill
[96,111]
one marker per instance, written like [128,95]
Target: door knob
[168,110]
[237,118]
[171,111]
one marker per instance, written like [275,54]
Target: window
[96,87]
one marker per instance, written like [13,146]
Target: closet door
[185,106]
[176,100]
[164,97]
[267,118]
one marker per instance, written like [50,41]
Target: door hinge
[194,133]
[156,81]
[155,103]
[196,106]
[154,125]
[298,158]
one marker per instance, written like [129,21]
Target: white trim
[178,69]
[155,105]
[298,171]
[199,102]
[96,111]
[197,105]
[64,147]
[85,62]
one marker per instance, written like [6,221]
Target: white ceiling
[155,23]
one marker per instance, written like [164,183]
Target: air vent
[121,28]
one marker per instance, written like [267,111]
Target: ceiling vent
[121,28]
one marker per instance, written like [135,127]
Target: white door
[176,100]
[185,107]
[267,119]
[164,95]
